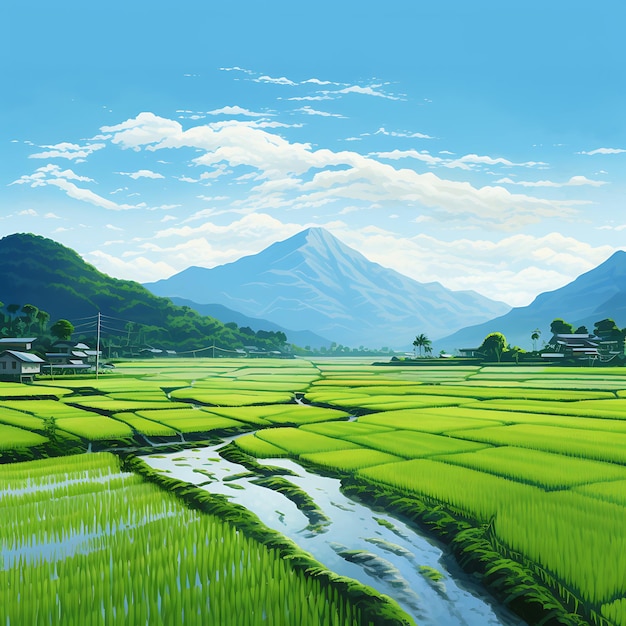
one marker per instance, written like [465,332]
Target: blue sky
[481,145]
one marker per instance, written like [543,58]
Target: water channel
[352,540]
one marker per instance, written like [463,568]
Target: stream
[350,539]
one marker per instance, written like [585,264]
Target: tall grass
[124,551]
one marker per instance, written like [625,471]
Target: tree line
[182,329]
[496,347]
[20,320]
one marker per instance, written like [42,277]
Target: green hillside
[42,272]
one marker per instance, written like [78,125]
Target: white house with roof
[21,366]
[22,344]
[70,356]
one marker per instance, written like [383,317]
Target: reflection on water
[372,547]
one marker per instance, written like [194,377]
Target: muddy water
[352,540]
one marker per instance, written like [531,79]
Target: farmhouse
[70,356]
[22,344]
[574,345]
[21,366]
[470,353]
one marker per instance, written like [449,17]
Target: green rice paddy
[86,543]
[536,453]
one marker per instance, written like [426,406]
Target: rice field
[84,543]
[536,453]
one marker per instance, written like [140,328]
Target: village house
[574,345]
[21,344]
[70,356]
[19,366]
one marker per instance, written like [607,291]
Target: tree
[560,327]
[30,311]
[514,352]
[608,330]
[62,329]
[129,327]
[605,326]
[421,341]
[13,309]
[493,346]
[581,330]
[535,336]
[43,317]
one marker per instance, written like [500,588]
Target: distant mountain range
[301,338]
[310,282]
[314,282]
[593,296]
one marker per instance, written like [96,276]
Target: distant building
[19,366]
[70,356]
[22,344]
[471,353]
[574,345]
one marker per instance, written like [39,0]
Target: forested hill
[54,278]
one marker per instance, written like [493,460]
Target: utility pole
[98,348]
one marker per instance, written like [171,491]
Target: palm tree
[536,334]
[422,341]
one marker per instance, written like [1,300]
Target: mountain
[53,278]
[300,338]
[313,281]
[593,296]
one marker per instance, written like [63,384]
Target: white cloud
[52,216]
[310,98]
[309,111]
[86,195]
[392,133]
[54,176]
[468,161]
[574,181]
[274,81]
[141,174]
[41,174]
[235,110]
[67,150]
[371,90]
[236,69]
[603,151]
[424,156]
[112,227]
[212,198]
[317,81]
[359,178]
[29,213]
[247,236]
[140,268]
[513,269]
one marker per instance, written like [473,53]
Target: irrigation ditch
[436,565]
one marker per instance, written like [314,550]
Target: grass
[12,438]
[544,469]
[350,460]
[536,455]
[125,551]
[603,446]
